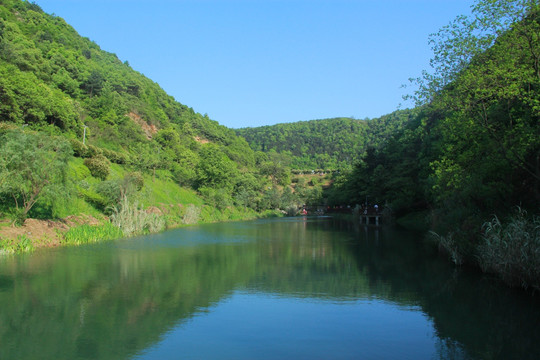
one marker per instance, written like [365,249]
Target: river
[294,288]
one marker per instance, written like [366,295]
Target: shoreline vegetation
[81,132]
[129,221]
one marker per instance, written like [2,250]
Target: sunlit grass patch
[85,234]
[16,246]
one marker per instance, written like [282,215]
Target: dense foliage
[473,149]
[327,144]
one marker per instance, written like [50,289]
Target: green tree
[215,169]
[34,166]
[277,168]
[489,68]
[94,83]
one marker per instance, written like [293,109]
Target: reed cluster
[132,219]
[448,244]
[21,245]
[512,249]
[192,215]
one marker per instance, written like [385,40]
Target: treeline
[469,161]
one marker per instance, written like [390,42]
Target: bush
[134,180]
[79,149]
[99,166]
[93,151]
[115,157]
[218,198]
[94,199]
[111,191]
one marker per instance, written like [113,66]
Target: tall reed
[133,220]
[192,215]
[448,245]
[512,249]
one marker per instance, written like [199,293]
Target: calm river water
[297,288]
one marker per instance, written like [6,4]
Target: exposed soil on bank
[44,233]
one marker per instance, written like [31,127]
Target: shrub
[111,191]
[134,180]
[218,198]
[93,198]
[99,166]
[79,149]
[93,151]
[115,157]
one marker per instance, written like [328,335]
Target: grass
[448,245]
[177,206]
[161,189]
[192,215]
[86,234]
[21,245]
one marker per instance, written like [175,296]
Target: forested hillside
[80,131]
[469,162]
[328,144]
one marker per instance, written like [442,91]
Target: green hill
[327,144]
[104,129]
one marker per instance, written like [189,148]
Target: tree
[94,83]
[458,43]
[215,169]
[485,84]
[277,168]
[33,166]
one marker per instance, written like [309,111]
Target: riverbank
[82,229]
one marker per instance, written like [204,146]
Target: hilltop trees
[317,144]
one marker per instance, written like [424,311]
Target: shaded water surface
[313,288]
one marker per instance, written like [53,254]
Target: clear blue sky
[261,62]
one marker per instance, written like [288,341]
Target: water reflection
[122,299]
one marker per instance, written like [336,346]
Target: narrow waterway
[296,288]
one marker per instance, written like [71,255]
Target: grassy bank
[99,210]
[131,222]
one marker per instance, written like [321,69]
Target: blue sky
[262,62]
